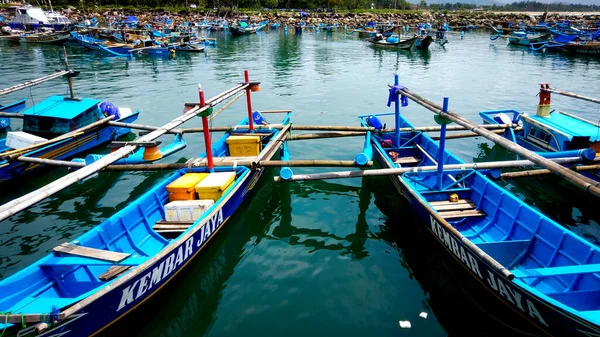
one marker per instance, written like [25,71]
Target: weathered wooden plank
[407,160]
[113,272]
[446,202]
[455,207]
[106,255]
[461,214]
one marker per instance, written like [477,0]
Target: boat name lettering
[210,227]
[514,297]
[504,290]
[154,276]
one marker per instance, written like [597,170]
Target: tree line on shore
[322,5]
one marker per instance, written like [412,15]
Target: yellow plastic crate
[213,186]
[242,146]
[184,187]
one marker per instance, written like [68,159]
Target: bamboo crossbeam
[11,115]
[578,180]
[398,171]
[13,207]
[533,173]
[11,155]
[323,135]
[34,82]
[469,134]
[341,128]
[51,162]
[274,111]
[572,95]
[269,163]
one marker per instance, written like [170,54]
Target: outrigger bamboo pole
[398,171]
[340,128]
[578,180]
[13,207]
[11,115]
[532,173]
[34,82]
[573,95]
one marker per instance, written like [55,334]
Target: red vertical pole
[249,102]
[206,131]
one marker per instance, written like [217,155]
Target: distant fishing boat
[28,18]
[541,271]
[45,37]
[423,43]
[522,39]
[89,283]
[393,42]
[243,28]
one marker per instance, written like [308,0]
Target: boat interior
[545,258]
[74,270]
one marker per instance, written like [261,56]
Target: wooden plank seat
[461,208]
[462,204]
[163,226]
[410,160]
[556,271]
[113,272]
[100,254]
[462,214]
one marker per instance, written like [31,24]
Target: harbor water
[312,258]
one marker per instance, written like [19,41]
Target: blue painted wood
[546,258]
[58,282]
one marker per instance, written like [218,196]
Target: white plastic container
[20,139]
[186,210]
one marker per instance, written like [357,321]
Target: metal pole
[441,149]
[397,112]
[206,131]
[249,102]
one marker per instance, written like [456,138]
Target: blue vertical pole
[397,112]
[441,149]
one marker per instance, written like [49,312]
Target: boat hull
[45,38]
[542,317]
[403,45]
[65,149]
[119,300]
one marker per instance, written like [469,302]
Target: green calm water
[314,258]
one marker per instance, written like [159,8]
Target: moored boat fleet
[545,274]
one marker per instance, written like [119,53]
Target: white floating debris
[404,324]
[423,315]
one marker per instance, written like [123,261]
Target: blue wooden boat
[423,43]
[55,117]
[88,284]
[116,49]
[10,108]
[555,132]
[548,276]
